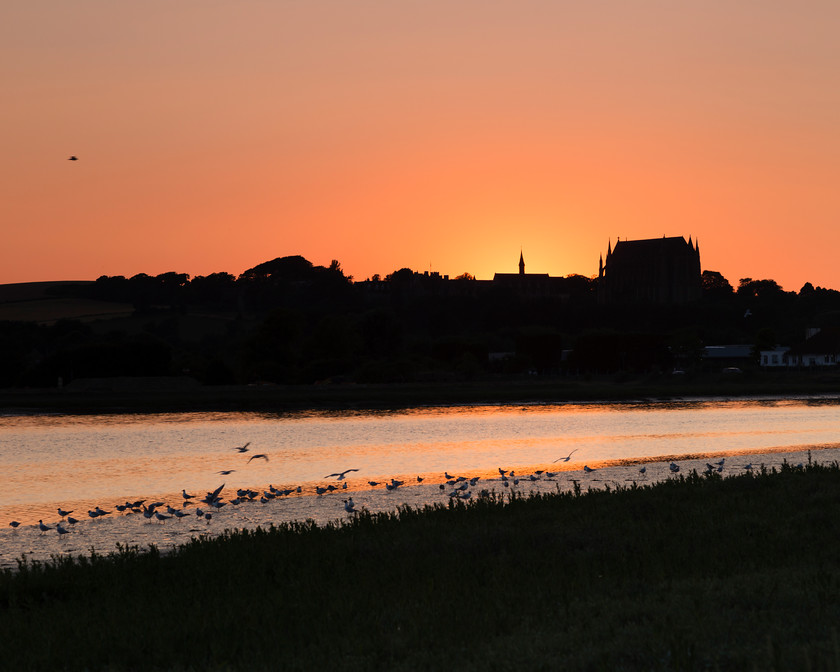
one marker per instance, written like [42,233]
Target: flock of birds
[455,487]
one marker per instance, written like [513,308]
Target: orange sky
[213,135]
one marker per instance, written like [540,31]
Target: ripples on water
[83,461]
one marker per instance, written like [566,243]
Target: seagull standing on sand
[14,524]
[61,531]
[42,527]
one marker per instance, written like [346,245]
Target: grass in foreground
[696,573]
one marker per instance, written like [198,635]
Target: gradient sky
[213,135]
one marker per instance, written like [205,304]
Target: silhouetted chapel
[530,284]
[654,271]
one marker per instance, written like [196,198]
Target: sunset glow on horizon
[213,136]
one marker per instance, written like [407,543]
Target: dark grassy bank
[137,395]
[696,573]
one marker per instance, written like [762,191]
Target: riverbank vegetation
[698,572]
[169,395]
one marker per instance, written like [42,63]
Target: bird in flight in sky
[260,456]
[567,458]
[242,449]
[73,158]
[226,472]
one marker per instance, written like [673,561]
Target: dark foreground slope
[695,573]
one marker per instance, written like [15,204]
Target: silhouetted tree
[714,284]
[759,289]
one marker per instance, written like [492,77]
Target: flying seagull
[567,458]
[226,472]
[73,158]
[242,449]
[340,474]
[261,456]
[211,496]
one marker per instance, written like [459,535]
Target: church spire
[521,263]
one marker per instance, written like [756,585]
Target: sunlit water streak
[78,462]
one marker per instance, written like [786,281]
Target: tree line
[288,321]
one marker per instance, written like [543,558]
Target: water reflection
[49,460]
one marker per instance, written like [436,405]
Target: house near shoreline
[820,348]
[723,357]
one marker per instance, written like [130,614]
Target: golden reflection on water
[85,461]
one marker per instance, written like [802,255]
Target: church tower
[654,271]
[521,263]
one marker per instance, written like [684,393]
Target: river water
[80,462]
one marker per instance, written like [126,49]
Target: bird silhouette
[259,456]
[73,158]
[227,472]
[213,496]
[340,475]
[567,458]
[242,449]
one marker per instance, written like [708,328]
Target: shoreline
[104,536]
[139,395]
